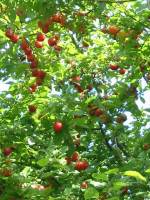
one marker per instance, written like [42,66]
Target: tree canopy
[70,125]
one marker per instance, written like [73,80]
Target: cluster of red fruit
[121,34]
[113,30]
[7,151]
[11,35]
[95,111]
[53,43]
[56,18]
[40,38]
[79,165]
[37,73]
[6,172]
[75,81]
[116,67]
[116,31]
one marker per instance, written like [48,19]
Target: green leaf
[148,170]
[103,177]
[135,174]
[91,193]
[112,171]
[118,185]
[43,162]
[26,171]
[51,198]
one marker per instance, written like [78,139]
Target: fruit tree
[71,126]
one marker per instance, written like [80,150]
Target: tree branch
[115,151]
[121,147]
[105,138]
[75,43]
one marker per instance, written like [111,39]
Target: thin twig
[121,147]
[75,43]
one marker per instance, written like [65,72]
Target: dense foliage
[70,126]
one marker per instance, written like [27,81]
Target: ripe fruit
[33,88]
[124,190]
[146,146]
[68,160]
[113,67]
[41,74]
[49,22]
[79,88]
[14,38]
[122,71]
[113,30]
[84,185]
[121,118]
[38,44]
[58,126]
[58,18]
[40,24]
[40,37]
[38,73]
[81,165]
[39,81]
[98,112]
[24,44]
[30,57]
[75,156]
[9,33]
[45,29]
[6,172]
[32,108]
[34,64]
[90,87]
[76,78]
[7,151]
[52,41]
[57,48]
[27,51]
